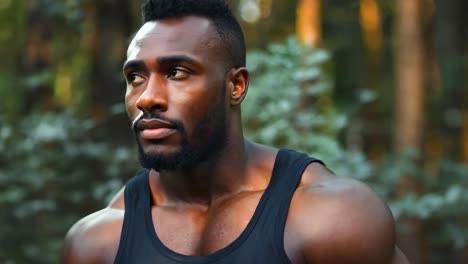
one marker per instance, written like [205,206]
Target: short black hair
[218,11]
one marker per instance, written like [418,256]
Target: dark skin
[175,67]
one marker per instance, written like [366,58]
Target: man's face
[176,93]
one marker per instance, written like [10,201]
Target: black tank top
[261,241]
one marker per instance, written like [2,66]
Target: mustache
[175,123]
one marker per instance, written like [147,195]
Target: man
[208,195]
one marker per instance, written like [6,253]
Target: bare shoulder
[338,220]
[95,238]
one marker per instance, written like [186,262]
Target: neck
[221,176]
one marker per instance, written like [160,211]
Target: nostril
[152,108]
[151,101]
[159,107]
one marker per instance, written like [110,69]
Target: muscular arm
[95,238]
[339,220]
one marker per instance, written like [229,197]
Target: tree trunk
[371,25]
[112,36]
[409,74]
[464,135]
[308,22]
[371,28]
[409,109]
[12,32]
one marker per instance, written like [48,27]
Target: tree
[409,108]
[309,22]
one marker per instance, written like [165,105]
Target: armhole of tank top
[130,189]
[120,257]
[303,162]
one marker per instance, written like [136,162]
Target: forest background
[375,88]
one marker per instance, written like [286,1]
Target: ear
[238,85]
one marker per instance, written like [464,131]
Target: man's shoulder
[94,238]
[333,218]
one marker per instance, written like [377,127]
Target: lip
[156,133]
[152,129]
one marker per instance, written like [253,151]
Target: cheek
[191,109]
[190,100]
[130,105]
[206,108]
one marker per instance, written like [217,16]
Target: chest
[192,231]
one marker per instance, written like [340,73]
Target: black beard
[208,140]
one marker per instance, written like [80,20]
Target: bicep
[93,239]
[76,252]
[352,225]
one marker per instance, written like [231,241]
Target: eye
[135,79]
[178,73]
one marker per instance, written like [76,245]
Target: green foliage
[51,174]
[289,106]
[287,91]
[12,26]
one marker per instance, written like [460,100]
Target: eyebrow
[166,60]
[176,59]
[133,64]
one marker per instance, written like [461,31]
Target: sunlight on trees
[410,97]
[371,24]
[309,22]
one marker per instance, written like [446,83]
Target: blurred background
[375,88]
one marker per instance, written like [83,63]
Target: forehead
[192,36]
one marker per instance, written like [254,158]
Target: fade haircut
[224,23]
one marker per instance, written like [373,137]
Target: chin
[165,158]
[160,150]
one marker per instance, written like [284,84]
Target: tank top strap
[287,172]
[135,191]
[136,185]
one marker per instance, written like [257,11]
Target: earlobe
[238,85]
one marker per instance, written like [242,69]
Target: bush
[52,173]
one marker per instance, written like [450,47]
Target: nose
[154,97]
